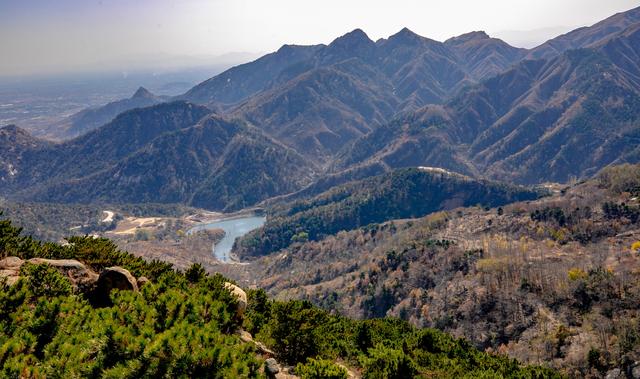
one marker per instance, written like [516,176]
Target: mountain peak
[355,37]
[471,36]
[13,136]
[13,130]
[142,93]
[10,128]
[407,36]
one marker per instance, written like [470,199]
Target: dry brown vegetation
[554,281]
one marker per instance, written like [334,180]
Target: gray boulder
[81,277]
[142,281]
[240,295]
[10,269]
[116,278]
[271,367]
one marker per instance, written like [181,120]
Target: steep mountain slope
[102,147]
[589,119]
[15,142]
[215,164]
[407,141]
[323,109]
[92,118]
[421,70]
[157,154]
[483,56]
[316,99]
[399,194]
[541,120]
[245,80]
[583,37]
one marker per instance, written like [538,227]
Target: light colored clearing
[434,169]
[204,217]
[131,224]
[109,216]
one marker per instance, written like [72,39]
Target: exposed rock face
[116,278]
[248,338]
[271,367]
[241,295]
[616,373]
[10,269]
[82,278]
[142,281]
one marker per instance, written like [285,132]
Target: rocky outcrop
[81,277]
[271,367]
[142,281]
[240,295]
[116,278]
[10,269]
[262,348]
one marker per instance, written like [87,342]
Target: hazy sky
[39,36]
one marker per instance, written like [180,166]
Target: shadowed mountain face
[15,142]
[160,154]
[92,118]
[541,120]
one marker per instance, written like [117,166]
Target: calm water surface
[233,229]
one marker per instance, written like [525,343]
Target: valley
[388,208]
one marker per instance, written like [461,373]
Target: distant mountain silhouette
[92,118]
[245,80]
[583,37]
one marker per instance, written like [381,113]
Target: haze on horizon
[42,36]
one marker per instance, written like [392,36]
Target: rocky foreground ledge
[81,277]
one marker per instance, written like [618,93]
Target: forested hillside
[403,193]
[554,280]
[186,325]
[169,153]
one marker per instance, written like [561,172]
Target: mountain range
[171,152]
[305,118]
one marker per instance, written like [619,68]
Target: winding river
[233,228]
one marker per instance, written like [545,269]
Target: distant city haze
[62,36]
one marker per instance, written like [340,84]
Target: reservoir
[233,228]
